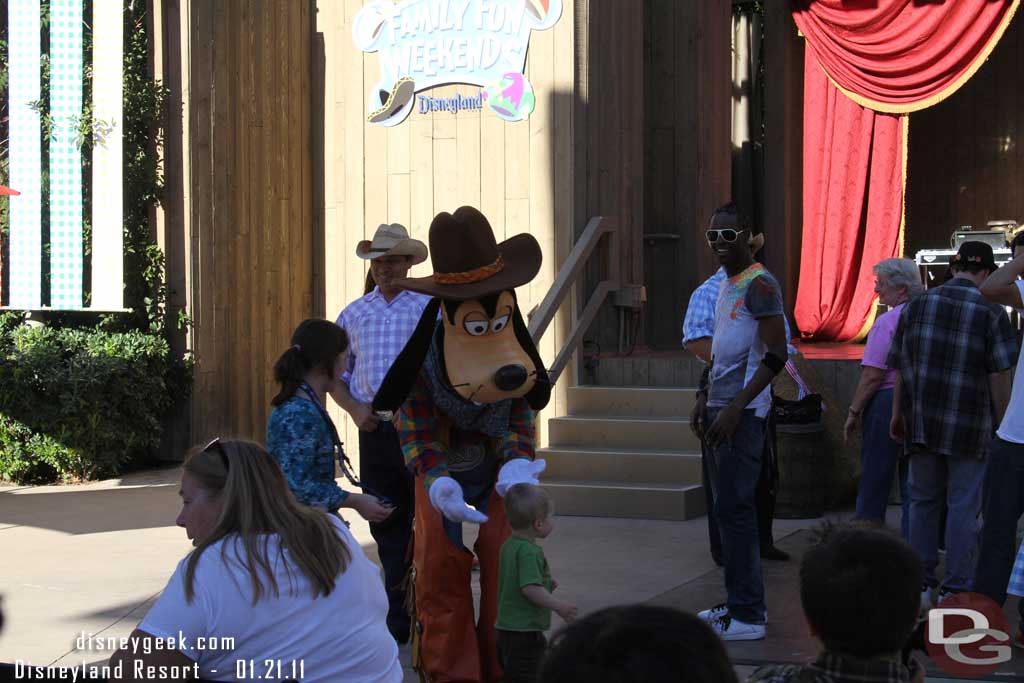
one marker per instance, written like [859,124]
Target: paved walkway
[92,558]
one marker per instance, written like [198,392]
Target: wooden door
[687,153]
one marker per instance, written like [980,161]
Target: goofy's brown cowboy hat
[469,263]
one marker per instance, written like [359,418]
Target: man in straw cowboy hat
[467,386]
[378,325]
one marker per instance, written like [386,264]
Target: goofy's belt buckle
[385,415]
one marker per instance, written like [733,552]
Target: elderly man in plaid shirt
[953,350]
[379,325]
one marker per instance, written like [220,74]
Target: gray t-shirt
[736,348]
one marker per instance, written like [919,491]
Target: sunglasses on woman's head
[725,234]
[215,444]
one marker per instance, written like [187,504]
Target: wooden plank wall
[687,162]
[239,204]
[519,174]
[281,175]
[608,140]
[783,148]
[976,174]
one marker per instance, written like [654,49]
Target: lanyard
[343,460]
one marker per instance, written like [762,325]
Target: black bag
[805,411]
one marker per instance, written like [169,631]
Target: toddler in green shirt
[525,601]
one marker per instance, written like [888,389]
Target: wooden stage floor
[830,350]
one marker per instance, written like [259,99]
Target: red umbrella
[6,191]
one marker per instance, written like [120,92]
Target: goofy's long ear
[540,394]
[403,373]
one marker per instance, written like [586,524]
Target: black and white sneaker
[728,628]
[709,615]
[718,611]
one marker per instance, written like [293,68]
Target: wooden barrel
[805,471]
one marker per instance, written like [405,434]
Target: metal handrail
[597,228]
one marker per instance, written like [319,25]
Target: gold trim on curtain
[889,108]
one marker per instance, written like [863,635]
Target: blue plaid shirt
[699,321]
[377,333]
[1016,586]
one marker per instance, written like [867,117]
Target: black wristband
[773,363]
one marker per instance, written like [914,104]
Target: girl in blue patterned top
[300,435]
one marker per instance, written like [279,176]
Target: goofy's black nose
[510,377]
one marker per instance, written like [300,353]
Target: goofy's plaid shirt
[425,432]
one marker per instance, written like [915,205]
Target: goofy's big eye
[498,324]
[476,327]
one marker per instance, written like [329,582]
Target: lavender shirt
[879,340]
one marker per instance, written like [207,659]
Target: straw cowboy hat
[468,262]
[392,240]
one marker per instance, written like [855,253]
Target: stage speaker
[994,238]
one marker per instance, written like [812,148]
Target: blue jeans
[382,469]
[880,456]
[958,480]
[734,468]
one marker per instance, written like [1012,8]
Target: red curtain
[863,58]
[853,205]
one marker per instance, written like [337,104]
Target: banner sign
[25,153]
[66,155]
[424,44]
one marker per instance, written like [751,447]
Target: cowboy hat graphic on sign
[424,44]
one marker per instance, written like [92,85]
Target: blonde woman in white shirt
[273,590]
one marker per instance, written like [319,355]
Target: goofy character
[465,387]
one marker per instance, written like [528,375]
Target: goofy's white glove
[519,471]
[447,498]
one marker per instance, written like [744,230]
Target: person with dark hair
[953,350]
[300,433]
[859,589]
[637,644]
[698,328]
[272,588]
[379,325]
[1017,244]
[748,349]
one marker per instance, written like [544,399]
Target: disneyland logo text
[24,671]
[429,43]
[452,104]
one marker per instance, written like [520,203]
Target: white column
[107,184]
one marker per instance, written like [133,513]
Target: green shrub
[81,403]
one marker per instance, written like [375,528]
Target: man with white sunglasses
[748,349]
[698,330]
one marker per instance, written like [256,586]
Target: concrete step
[637,501]
[631,401]
[633,433]
[625,466]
